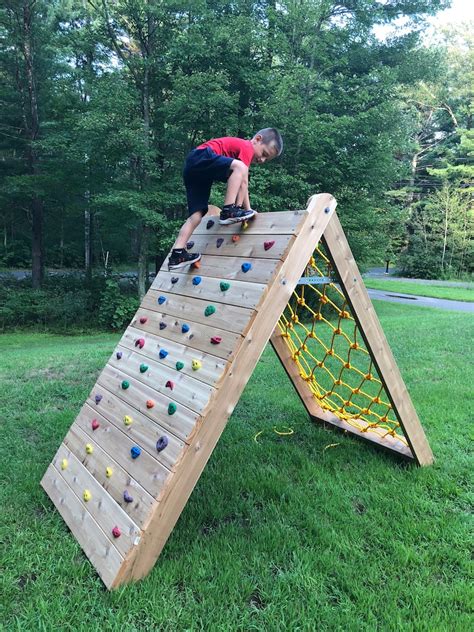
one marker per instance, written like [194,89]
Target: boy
[224,159]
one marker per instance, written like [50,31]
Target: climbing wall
[129,462]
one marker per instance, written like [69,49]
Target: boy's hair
[271,136]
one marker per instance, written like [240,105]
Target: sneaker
[181,259]
[234,214]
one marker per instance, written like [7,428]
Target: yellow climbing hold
[108,472]
[195,364]
[87,495]
[127,420]
[64,464]
[89,448]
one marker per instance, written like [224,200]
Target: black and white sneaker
[234,214]
[181,258]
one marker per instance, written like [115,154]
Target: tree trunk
[142,260]
[88,240]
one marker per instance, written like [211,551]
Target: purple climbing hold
[98,399]
[246,267]
[210,224]
[189,245]
[219,242]
[162,325]
[162,443]
[174,280]
[197,280]
[161,299]
[127,498]
[185,328]
[163,353]
[119,355]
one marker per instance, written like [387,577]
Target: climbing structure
[129,462]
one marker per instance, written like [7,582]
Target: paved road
[379,273]
[421,301]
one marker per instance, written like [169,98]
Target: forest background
[102,99]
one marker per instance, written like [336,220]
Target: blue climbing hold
[246,267]
[189,245]
[161,299]
[185,328]
[135,452]
[163,353]
[197,280]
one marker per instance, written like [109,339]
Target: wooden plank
[231,268]
[101,506]
[149,473]
[198,338]
[362,309]
[93,541]
[319,414]
[240,293]
[263,224]
[186,389]
[191,310]
[182,423]
[249,246]
[115,485]
[212,367]
[141,560]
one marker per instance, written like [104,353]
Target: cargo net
[325,343]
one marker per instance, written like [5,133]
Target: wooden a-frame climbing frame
[132,457]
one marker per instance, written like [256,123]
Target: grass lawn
[283,534]
[435,291]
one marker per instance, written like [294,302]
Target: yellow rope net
[324,341]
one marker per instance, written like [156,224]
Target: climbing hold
[245,225]
[163,325]
[268,244]
[127,498]
[196,265]
[219,242]
[150,403]
[108,472]
[127,420]
[210,309]
[197,280]
[87,495]
[189,245]
[235,238]
[119,355]
[169,384]
[174,280]
[143,320]
[162,443]
[196,365]
[210,224]
[89,448]
[135,452]
[224,286]
[185,328]
[161,299]
[98,399]
[143,368]
[216,340]
[95,424]
[163,353]
[116,532]
[125,384]
[179,366]
[171,408]
[64,464]
[140,342]
[246,267]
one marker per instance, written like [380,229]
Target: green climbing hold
[179,365]
[171,408]
[210,309]
[143,368]
[125,384]
[225,286]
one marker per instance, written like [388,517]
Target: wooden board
[266,224]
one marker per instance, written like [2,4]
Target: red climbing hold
[268,244]
[169,384]
[143,320]
[116,532]
[235,238]
[140,342]
[216,340]
[150,403]
[95,424]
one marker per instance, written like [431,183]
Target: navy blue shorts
[201,169]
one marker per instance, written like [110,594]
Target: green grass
[282,534]
[435,291]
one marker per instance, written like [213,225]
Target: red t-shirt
[231,147]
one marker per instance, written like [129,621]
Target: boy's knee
[240,168]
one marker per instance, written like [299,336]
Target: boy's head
[267,144]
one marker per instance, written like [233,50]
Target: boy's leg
[237,179]
[187,229]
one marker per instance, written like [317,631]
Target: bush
[116,310]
